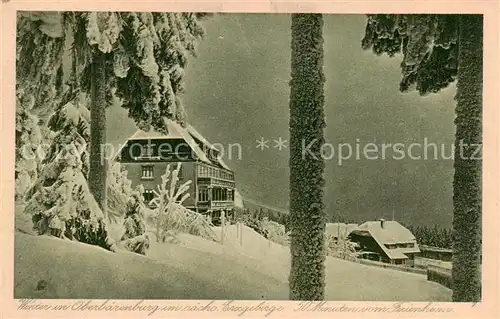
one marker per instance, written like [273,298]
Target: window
[148,195]
[202,171]
[203,195]
[410,245]
[147,172]
[221,194]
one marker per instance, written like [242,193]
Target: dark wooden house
[146,155]
[385,241]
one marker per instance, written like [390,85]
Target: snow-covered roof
[142,135]
[206,143]
[391,233]
[176,131]
[333,229]
[175,127]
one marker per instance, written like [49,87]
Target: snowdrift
[50,268]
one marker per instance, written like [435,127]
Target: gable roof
[200,154]
[333,229]
[392,233]
[191,130]
[143,135]
[176,131]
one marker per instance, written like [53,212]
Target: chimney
[382,222]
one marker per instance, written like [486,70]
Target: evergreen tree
[39,52]
[307,214]
[60,202]
[437,49]
[119,191]
[140,58]
[28,152]
[261,214]
[40,46]
[136,57]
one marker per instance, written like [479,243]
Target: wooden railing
[222,203]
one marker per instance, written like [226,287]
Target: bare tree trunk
[98,161]
[466,272]
[307,120]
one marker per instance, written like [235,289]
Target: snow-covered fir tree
[28,149]
[138,57]
[119,191]
[60,202]
[40,49]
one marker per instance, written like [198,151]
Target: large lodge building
[146,155]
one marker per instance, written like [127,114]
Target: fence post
[241,234]
[223,221]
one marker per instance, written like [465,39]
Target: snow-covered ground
[47,268]
[195,268]
[345,280]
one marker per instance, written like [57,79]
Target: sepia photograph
[248,156]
